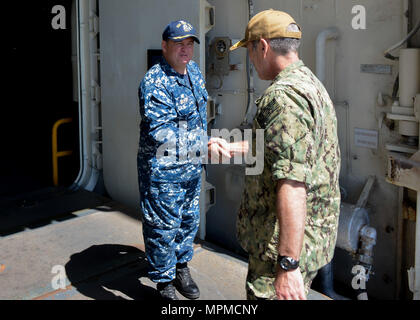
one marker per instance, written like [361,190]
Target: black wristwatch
[287,263]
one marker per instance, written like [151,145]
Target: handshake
[219,149]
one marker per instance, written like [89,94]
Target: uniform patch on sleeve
[266,113]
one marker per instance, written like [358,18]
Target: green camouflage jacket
[301,144]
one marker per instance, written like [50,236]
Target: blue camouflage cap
[179,30]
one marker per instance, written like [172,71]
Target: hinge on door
[411,278]
[93,24]
[96,91]
[409,212]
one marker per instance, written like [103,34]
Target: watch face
[287,263]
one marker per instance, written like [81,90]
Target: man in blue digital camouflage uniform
[173,141]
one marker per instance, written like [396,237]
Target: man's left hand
[218,147]
[289,285]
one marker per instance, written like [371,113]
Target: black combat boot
[167,290]
[184,282]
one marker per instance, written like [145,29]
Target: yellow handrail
[57,154]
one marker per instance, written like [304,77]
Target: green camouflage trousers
[260,278]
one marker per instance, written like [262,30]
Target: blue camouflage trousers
[171,216]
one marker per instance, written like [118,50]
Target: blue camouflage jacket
[173,129]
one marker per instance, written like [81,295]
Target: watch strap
[287,263]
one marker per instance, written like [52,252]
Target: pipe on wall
[250,72]
[331,33]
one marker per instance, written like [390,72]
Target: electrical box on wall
[154,56]
[219,52]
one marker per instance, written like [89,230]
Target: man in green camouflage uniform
[288,217]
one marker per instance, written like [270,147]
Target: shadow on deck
[99,253]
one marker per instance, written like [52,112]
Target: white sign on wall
[366,138]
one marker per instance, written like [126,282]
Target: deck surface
[99,251]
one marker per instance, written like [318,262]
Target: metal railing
[55,153]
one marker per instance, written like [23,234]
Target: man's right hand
[241,147]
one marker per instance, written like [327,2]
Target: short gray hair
[283,46]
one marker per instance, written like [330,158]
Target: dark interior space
[38,91]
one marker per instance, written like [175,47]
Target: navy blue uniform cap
[179,30]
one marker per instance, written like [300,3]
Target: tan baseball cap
[268,24]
